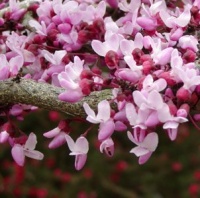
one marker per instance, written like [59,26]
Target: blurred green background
[172,171]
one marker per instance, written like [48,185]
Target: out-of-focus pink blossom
[28,149]
[79,149]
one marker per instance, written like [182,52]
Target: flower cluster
[144,50]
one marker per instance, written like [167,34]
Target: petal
[139,98]
[139,151]
[171,125]
[34,154]
[99,47]
[58,140]
[80,161]
[4,135]
[131,113]
[144,158]
[71,96]
[130,137]
[172,133]
[103,111]
[18,154]
[155,99]
[52,133]
[184,17]
[88,110]
[120,126]
[31,142]
[106,129]
[70,142]
[82,145]
[150,141]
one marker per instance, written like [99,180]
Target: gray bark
[44,95]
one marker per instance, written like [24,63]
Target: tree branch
[45,96]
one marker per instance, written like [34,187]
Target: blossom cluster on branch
[144,51]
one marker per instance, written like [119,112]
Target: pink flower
[107,125]
[69,79]
[111,43]
[146,145]
[180,20]
[58,135]
[28,149]
[171,122]
[79,149]
[107,146]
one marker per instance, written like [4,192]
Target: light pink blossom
[146,145]
[79,149]
[107,125]
[28,149]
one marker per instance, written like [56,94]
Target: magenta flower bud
[107,146]
[183,94]
[183,110]
[111,59]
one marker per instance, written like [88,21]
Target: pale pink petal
[120,126]
[164,56]
[103,110]
[139,151]
[31,142]
[172,133]
[52,133]
[146,23]
[71,96]
[34,154]
[99,47]
[106,129]
[170,125]
[59,140]
[70,142]
[88,110]
[152,120]
[144,158]
[15,64]
[4,135]
[139,98]
[18,154]
[126,46]
[184,17]
[80,161]
[150,141]
[155,100]
[130,137]
[131,113]
[82,145]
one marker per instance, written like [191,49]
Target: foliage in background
[174,170]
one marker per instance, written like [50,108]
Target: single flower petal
[18,154]
[82,145]
[34,154]
[59,140]
[139,151]
[52,133]
[70,142]
[80,161]
[31,142]
[144,158]
[106,129]
[150,141]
